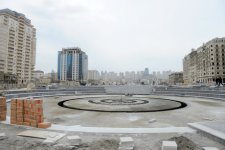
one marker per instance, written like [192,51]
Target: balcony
[19,51]
[10,48]
[11,34]
[20,36]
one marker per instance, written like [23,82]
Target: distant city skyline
[123,35]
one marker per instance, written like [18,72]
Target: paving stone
[126,143]
[123,148]
[169,145]
[74,140]
[210,148]
[2,136]
[48,141]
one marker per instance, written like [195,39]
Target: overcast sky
[122,35]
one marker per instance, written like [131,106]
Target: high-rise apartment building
[72,64]
[206,63]
[93,75]
[146,72]
[17,45]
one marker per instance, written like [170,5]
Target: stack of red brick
[28,112]
[2,108]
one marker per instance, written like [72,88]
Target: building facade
[38,74]
[190,68]
[93,75]
[17,45]
[146,72]
[176,78]
[72,65]
[206,63]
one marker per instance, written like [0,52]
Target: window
[213,63]
[212,72]
[218,73]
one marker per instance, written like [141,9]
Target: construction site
[113,117]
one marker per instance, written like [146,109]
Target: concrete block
[210,148]
[48,141]
[126,148]
[126,142]
[74,140]
[169,145]
[2,136]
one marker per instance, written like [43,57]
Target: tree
[10,78]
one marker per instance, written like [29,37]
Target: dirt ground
[92,141]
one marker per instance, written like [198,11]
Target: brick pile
[3,108]
[13,111]
[19,112]
[28,113]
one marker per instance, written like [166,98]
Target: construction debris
[50,137]
[152,121]
[44,125]
[74,140]
[2,136]
[210,148]
[126,143]
[169,145]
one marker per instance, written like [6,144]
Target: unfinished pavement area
[197,110]
[156,121]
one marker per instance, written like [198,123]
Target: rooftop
[15,14]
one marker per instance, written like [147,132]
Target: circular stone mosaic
[119,101]
[122,104]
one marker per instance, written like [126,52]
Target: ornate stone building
[206,63]
[176,78]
